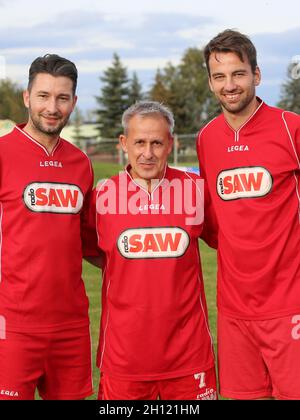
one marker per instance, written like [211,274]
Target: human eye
[240,73]
[139,142]
[218,77]
[64,98]
[157,143]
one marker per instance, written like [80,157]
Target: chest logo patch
[249,182]
[43,197]
[163,242]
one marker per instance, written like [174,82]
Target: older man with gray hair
[154,340]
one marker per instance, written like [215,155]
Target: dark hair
[235,42]
[56,66]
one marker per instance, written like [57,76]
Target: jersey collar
[250,119]
[20,128]
[127,170]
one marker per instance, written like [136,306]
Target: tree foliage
[113,99]
[77,122]
[185,90]
[118,92]
[11,102]
[135,90]
[290,91]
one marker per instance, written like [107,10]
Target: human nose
[148,151]
[230,84]
[51,106]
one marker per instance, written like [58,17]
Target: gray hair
[145,108]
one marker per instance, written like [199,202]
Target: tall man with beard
[45,187]
[249,157]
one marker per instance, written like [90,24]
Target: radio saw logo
[43,197]
[251,182]
[164,242]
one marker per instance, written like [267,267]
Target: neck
[238,119]
[47,140]
[147,184]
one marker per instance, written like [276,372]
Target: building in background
[83,136]
[6,127]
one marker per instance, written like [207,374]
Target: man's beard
[240,106]
[48,130]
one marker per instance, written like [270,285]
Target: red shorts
[201,386]
[259,359]
[57,364]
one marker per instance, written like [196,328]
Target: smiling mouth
[52,119]
[232,97]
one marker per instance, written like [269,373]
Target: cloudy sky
[146,35]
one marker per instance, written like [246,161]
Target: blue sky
[145,35]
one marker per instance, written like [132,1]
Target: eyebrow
[218,73]
[48,93]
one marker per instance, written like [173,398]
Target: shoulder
[115,180]
[291,119]
[284,115]
[73,150]
[183,175]
[7,143]
[4,139]
[209,128]
[211,124]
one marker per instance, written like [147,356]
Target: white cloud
[142,63]
[257,16]
[146,35]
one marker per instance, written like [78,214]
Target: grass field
[92,278]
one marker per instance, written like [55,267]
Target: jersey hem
[159,377]
[272,315]
[286,398]
[67,396]
[47,329]
[268,393]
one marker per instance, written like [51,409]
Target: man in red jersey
[45,187]
[154,339]
[249,157]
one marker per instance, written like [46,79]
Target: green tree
[77,122]
[165,89]
[159,91]
[198,104]
[113,99]
[135,90]
[290,91]
[11,102]
[185,89]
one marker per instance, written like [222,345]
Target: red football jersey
[42,211]
[154,320]
[253,180]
